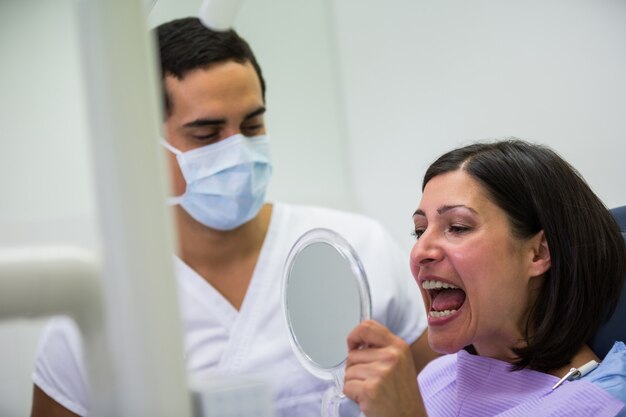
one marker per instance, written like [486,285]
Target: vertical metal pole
[143,320]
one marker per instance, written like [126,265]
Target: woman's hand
[380,374]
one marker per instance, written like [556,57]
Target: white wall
[44,160]
[431,75]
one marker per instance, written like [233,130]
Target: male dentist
[232,243]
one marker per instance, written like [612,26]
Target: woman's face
[474,275]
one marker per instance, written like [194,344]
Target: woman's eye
[417,233]
[458,229]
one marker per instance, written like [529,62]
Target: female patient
[519,263]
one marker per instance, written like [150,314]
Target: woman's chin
[443,345]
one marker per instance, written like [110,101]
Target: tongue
[450,299]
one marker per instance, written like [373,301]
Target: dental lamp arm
[58,280]
[218,14]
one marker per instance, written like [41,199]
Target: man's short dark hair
[186,45]
[538,190]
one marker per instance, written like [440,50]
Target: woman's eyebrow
[441,210]
[446,208]
[419,212]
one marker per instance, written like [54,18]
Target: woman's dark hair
[186,45]
[538,190]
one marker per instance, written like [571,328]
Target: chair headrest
[614,329]
[619,213]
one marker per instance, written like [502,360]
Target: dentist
[232,243]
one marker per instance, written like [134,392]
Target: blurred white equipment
[231,397]
[44,281]
[218,14]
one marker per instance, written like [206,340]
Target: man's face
[209,105]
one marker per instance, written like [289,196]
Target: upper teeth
[434,285]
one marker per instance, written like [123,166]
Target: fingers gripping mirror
[324,295]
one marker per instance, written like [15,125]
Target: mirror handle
[331,402]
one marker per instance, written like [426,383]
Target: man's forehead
[232,89]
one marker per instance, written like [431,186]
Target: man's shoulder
[364,233]
[318,216]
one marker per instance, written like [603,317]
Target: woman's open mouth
[445,299]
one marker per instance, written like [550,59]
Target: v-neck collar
[239,324]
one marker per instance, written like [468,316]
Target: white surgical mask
[226,181]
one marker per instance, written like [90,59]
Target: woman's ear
[540,256]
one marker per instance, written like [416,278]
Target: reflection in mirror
[325,295]
[324,303]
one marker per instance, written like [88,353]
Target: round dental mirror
[324,295]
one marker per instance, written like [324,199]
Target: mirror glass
[320,279]
[325,295]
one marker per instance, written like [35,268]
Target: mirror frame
[341,245]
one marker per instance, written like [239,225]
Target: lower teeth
[441,313]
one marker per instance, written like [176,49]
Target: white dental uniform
[219,340]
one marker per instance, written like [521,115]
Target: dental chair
[615,328]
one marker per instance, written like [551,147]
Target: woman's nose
[426,249]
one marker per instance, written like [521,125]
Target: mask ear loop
[170,148]
[172,201]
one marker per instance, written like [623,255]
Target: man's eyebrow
[204,122]
[214,122]
[441,210]
[255,113]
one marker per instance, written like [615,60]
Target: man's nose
[230,132]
